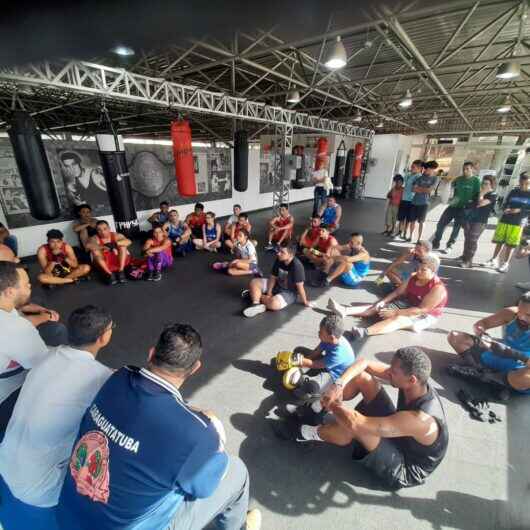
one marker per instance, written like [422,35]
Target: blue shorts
[502,365]
[16,514]
[355,275]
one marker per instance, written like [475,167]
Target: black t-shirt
[481,214]
[288,275]
[517,198]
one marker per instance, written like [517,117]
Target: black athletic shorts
[405,211]
[419,212]
[387,461]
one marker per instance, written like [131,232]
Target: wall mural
[78,178]
[266,167]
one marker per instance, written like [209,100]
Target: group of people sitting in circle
[124,450]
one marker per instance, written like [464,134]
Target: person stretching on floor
[58,262]
[211,235]
[509,369]
[402,445]
[280,228]
[159,254]
[246,261]
[179,234]
[196,220]
[110,253]
[232,220]
[331,213]
[416,304]
[320,254]
[351,261]
[403,266]
[242,223]
[284,287]
[310,235]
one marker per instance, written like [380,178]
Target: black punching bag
[114,164]
[348,170]
[33,167]
[299,181]
[340,165]
[241,160]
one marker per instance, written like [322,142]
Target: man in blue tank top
[331,213]
[351,261]
[504,363]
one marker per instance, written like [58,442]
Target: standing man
[466,190]
[422,188]
[58,261]
[145,459]
[41,432]
[320,179]
[331,213]
[405,206]
[283,288]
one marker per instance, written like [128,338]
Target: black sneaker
[435,246]
[270,247]
[245,294]
[112,279]
[121,277]
[149,276]
[289,430]
[157,276]
[478,409]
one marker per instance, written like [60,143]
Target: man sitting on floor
[196,220]
[232,220]
[401,445]
[352,262]
[161,217]
[110,253]
[6,238]
[27,329]
[235,228]
[416,304]
[146,459]
[406,264]
[246,261]
[84,227]
[310,235]
[41,432]
[6,254]
[179,233]
[331,213]
[58,261]
[280,228]
[500,363]
[284,287]
[320,254]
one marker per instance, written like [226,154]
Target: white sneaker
[504,267]
[525,286]
[336,308]
[492,263]
[254,310]
[253,521]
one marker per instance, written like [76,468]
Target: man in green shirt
[466,191]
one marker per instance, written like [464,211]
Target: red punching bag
[358,164]
[183,155]
[321,161]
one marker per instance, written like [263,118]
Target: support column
[359,189]
[283,145]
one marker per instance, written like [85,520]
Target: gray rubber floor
[483,483]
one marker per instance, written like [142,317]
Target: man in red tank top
[280,228]
[325,246]
[58,261]
[196,220]
[109,252]
[310,236]
[416,304]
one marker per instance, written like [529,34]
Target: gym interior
[242,104]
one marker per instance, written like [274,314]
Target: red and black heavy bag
[358,164]
[117,178]
[183,155]
[322,160]
[241,160]
[33,167]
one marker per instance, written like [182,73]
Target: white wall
[29,238]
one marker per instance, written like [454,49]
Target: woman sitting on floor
[211,235]
[416,304]
[246,261]
[158,250]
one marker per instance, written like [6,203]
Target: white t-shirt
[21,347]
[233,219]
[246,251]
[36,449]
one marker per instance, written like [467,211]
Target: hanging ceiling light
[123,51]
[508,70]
[505,106]
[293,96]
[380,124]
[337,57]
[358,117]
[433,120]
[406,102]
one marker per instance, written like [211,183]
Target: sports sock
[309,432]
[316,406]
